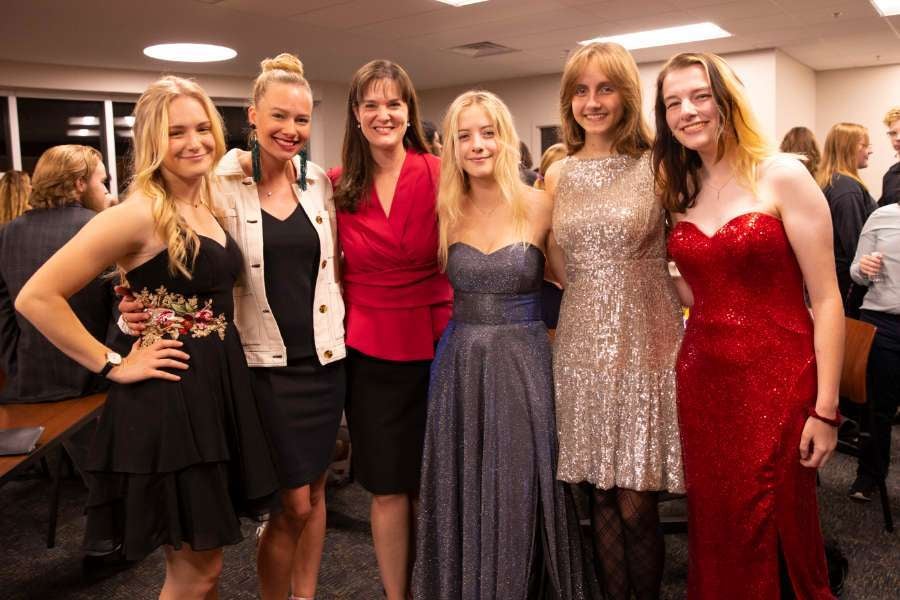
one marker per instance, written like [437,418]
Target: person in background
[525,164]
[15,186]
[802,141]
[551,155]
[398,301]
[847,150]
[432,138]
[890,184]
[69,188]
[876,265]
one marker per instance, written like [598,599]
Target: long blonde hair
[14,189]
[676,168]
[840,152]
[632,135]
[455,186]
[151,143]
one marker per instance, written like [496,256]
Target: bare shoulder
[551,177]
[783,169]
[539,202]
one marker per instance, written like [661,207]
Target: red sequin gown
[746,375]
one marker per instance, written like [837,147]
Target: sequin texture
[619,329]
[746,376]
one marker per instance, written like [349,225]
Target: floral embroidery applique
[173,315]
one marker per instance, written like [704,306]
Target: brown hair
[56,173]
[800,140]
[356,156]
[839,155]
[14,189]
[632,136]
[554,153]
[676,168]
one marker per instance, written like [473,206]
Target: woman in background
[15,187]
[802,141]
[847,149]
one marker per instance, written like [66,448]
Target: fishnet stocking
[628,543]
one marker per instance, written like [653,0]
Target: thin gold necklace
[718,190]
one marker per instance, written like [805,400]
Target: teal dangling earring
[301,179]
[254,155]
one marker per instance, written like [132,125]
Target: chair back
[857,344]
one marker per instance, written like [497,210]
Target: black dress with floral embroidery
[178,462]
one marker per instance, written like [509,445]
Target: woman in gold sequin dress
[620,321]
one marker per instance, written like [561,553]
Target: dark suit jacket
[35,370]
[890,186]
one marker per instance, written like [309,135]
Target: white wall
[534,101]
[27,79]
[861,95]
[795,95]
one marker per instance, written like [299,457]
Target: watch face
[114,358]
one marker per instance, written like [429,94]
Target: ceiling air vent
[482,49]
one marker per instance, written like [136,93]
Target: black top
[291,255]
[890,186]
[35,370]
[850,204]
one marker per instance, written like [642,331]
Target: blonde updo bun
[284,62]
[284,68]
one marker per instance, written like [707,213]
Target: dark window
[236,126]
[45,123]
[5,149]
[549,136]
[123,134]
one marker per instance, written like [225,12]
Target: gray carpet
[29,570]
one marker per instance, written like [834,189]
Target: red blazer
[398,302]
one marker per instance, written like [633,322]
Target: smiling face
[192,145]
[597,103]
[691,111]
[382,114]
[282,117]
[476,140]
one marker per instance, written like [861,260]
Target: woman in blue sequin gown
[493,522]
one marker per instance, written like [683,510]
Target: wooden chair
[857,344]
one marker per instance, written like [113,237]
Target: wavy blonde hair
[676,168]
[15,186]
[839,154]
[57,172]
[151,144]
[892,115]
[632,135]
[454,185]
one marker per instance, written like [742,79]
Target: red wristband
[835,422]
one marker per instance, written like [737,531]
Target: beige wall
[795,95]
[863,96]
[118,84]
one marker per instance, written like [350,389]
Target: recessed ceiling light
[887,7]
[190,52]
[666,36]
[461,2]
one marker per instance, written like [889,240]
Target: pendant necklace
[718,190]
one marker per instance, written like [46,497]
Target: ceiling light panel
[193,53]
[887,7]
[667,36]
[459,3]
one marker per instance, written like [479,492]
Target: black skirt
[300,406]
[386,411]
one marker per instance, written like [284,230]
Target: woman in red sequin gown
[757,381]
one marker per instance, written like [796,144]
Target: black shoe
[862,490]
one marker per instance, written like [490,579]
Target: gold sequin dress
[619,330]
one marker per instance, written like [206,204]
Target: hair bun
[283,62]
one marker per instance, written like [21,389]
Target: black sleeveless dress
[178,462]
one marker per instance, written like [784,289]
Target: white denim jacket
[237,203]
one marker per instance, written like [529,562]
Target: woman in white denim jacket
[288,308]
